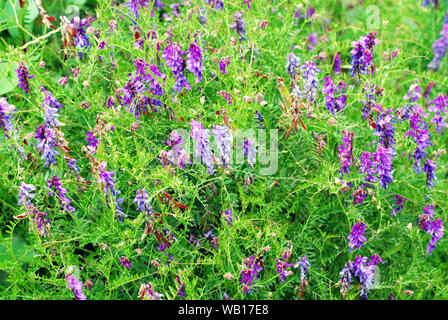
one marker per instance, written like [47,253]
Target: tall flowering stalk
[303,264]
[433,227]
[223,141]
[311,85]
[345,153]
[6,114]
[362,54]
[249,149]
[23,75]
[173,55]
[55,184]
[419,132]
[47,144]
[439,48]
[202,148]
[142,200]
[109,189]
[239,25]
[329,90]
[75,286]
[440,106]
[250,269]
[356,236]
[194,61]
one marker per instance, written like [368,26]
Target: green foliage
[302,204]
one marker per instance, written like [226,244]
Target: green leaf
[8,80]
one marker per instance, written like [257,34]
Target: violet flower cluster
[223,139]
[46,144]
[362,54]
[142,201]
[81,40]
[202,148]
[356,236]
[249,149]
[329,90]
[23,75]
[439,48]
[194,61]
[399,204]
[363,269]
[75,286]
[58,191]
[173,55]
[292,63]
[419,132]
[345,153]
[311,85]
[6,114]
[239,25]
[439,106]
[281,269]
[303,264]
[432,226]
[251,267]
[110,190]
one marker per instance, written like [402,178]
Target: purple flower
[364,271]
[72,164]
[223,64]
[345,278]
[384,157]
[440,106]
[439,48]
[292,63]
[309,91]
[109,189]
[385,130]
[359,195]
[312,41]
[223,140]
[194,61]
[435,229]
[362,56]
[173,56]
[81,39]
[142,200]
[345,152]
[23,75]
[251,268]
[132,96]
[369,102]
[337,63]
[429,167]
[398,206]
[181,285]
[239,25]
[356,236]
[419,132]
[75,285]
[47,144]
[229,216]
[281,269]
[250,151]
[55,184]
[329,89]
[303,265]
[93,142]
[25,195]
[125,262]
[50,100]
[6,111]
[110,102]
[202,149]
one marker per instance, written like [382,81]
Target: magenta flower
[345,153]
[125,262]
[223,64]
[281,269]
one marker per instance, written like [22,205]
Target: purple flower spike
[142,200]
[202,149]
[223,140]
[345,153]
[25,195]
[398,206]
[194,61]
[23,75]
[435,229]
[181,286]
[292,63]
[429,167]
[281,269]
[47,144]
[223,64]
[356,236]
[75,285]
[125,262]
[250,151]
[6,112]
[60,192]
